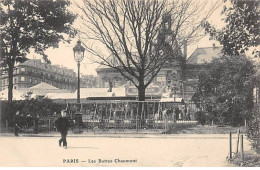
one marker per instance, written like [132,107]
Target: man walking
[62,124]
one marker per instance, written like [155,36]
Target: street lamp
[78,56]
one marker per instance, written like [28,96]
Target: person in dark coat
[36,124]
[16,120]
[62,124]
[29,120]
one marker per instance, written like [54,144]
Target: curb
[127,135]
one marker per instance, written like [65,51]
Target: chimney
[185,50]
[214,46]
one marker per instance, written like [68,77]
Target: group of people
[62,125]
[21,122]
[174,114]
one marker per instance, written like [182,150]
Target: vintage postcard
[129,83]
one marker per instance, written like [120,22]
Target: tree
[141,36]
[242,27]
[253,129]
[225,89]
[30,24]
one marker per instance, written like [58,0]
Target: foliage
[30,24]
[201,117]
[42,107]
[140,36]
[225,89]
[253,128]
[242,27]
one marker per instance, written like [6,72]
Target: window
[14,87]
[22,69]
[22,78]
[3,83]
[15,80]
[30,80]
[35,81]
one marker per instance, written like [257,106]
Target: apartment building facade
[33,72]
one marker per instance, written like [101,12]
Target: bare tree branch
[135,34]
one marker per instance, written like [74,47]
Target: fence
[121,115]
[239,144]
[133,110]
[136,115]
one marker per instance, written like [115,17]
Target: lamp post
[78,56]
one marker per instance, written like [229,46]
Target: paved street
[157,150]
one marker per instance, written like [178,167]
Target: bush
[42,107]
[200,116]
[253,129]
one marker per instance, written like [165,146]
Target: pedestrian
[36,123]
[164,113]
[62,124]
[29,120]
[16,120]
[54,114]
[132,114]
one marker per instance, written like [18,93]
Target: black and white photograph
[130,83]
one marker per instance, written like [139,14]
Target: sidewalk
[124,134]
[90,132]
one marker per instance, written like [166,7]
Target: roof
[61,95]
[101,92]
[44,85]
[17,95]
[204,55]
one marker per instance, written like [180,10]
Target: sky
[64,54]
